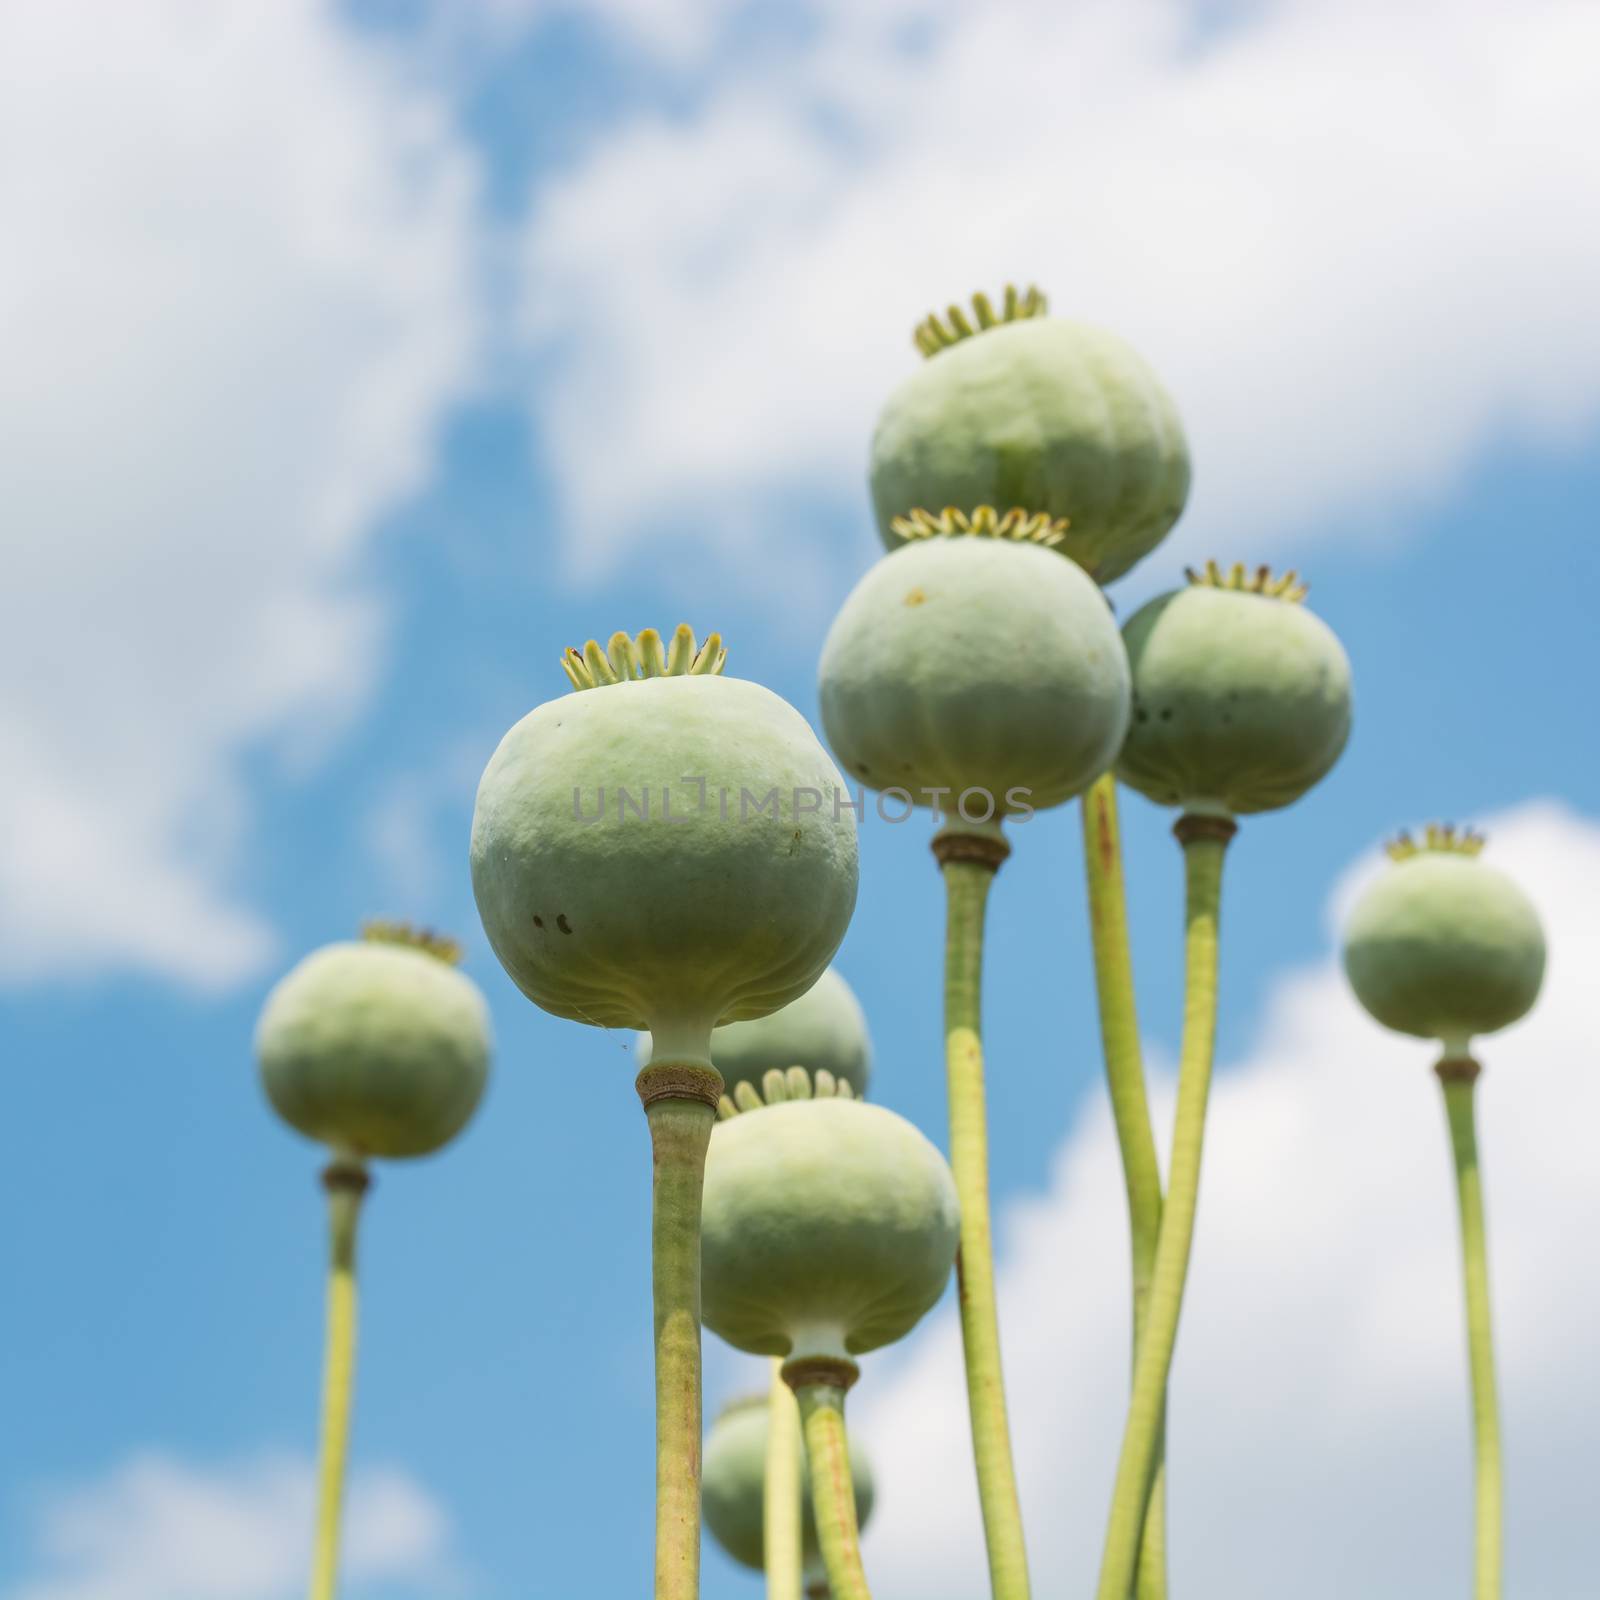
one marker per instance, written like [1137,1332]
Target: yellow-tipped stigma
[379,930]
[1443,837]
[1253,580]
[935,333]
[778,1085]
[625,660]
[984,522]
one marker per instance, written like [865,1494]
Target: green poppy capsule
[734,1476]
[1014,408]
[1443,945]
[668,849]
[829,1227]
[1241,696]
[975,673]
[378,1047]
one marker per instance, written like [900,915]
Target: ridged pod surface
[723,901]
[1050,415]
[829,1228]
[1241,699]
[733,1477]
[374,1048]
[1445,947]
[824,1030]
[970,663]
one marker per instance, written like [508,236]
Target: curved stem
[1130,1110]
[833,1493]
[1205,841]
[781,1505]
[680,1132]
[967,891]
[346,1182]
[1459,1078]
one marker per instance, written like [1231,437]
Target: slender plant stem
[967,879]
[681,1116]
[782,1493]
[1205,841]
[1130,1110]
[833,1493]
[1459,1078]
[346,1182]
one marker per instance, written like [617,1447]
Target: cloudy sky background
[359,358]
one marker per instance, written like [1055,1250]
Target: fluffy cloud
[157,1529]
[1349,236]
[1320,1439]
[239,298]
[673,32]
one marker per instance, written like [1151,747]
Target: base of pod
[819,1372]
[669,1080]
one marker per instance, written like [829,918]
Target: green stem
[1459,1078]
[346,1182]
[1130,1110]
[681,1117]
[1205,841]
[782,1493]
[833,1494]
[967,879]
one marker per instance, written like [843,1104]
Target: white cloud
[676,33]
[1319,1428]
[158,1529]
[1357,240]
[237,298]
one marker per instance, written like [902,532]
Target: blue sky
[366,358]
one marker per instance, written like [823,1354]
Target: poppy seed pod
[978,675]
[1241,696]
[1443,946]
[733,1480]
[822,1031]
[664,849]
[378,1047]
[829,1227]
[1014,408]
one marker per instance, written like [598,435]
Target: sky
[362,357]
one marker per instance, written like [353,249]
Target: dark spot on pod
[563,924]
[1166,716]
[1141,715]
[538,922]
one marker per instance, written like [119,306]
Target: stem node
[827,1372]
